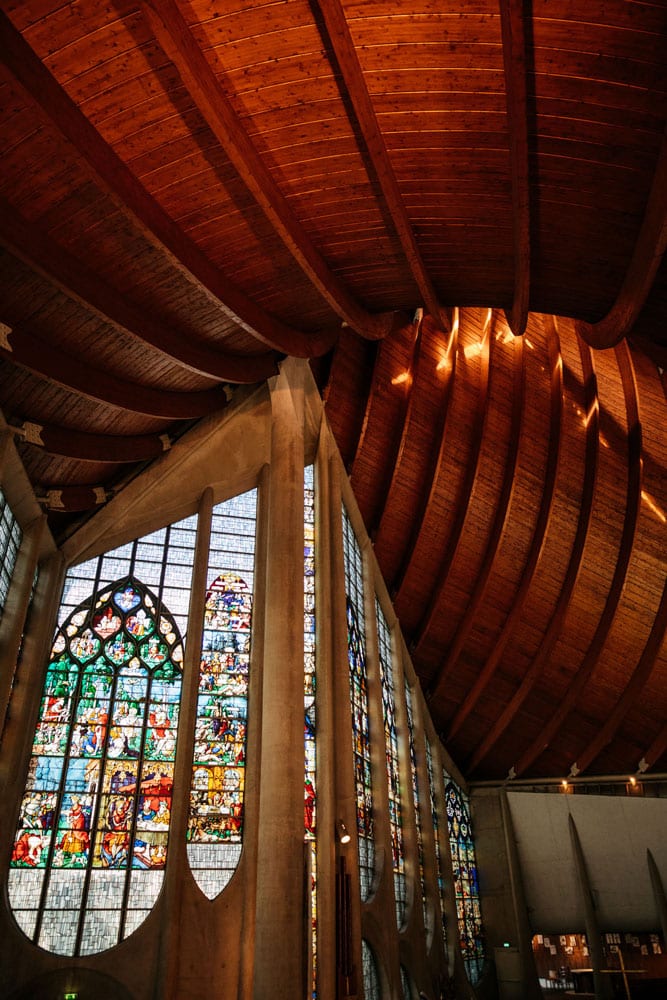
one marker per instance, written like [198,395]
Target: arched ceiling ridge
[449,364]
[633,500]
[539,535]
[633,505]
[467,486]
[498,526]
[574,566]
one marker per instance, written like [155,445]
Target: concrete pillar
[602,984]
[524,964]
[658,893]
[279,938]
[166,973]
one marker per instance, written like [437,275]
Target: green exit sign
[70,996]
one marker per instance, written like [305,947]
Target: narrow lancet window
[356,653]
[310,773]
[415,798]
[88,859]
[10,540]
[466,888]
[369,972]
[215,824]
[436,835]
[391,752]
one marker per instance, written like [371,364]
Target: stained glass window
[215,822]
[391,752]
[91,845]
[356,654]
[10,540]
[310,785]
[369,972]
[466,888]
[436,835]
[415,797]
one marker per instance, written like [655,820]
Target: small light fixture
[342,831]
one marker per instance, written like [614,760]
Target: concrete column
[166,973]
[602,984]
[530,986]
[326,507]
[658,893]
[348,919]
[279,937]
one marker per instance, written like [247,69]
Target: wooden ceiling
[458,213]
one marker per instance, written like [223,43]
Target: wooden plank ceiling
[458,212]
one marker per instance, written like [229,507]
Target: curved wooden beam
[36,248]
[464,497]
[574,566]
[498,526]
[633,688]
[632,508]
[435,461]
[514,61]
[118,181]
[639,277]
[85,447]
[539,534]
[49,362]
[655,751]
[394,453]
[367,413]
[179,45]
[344,49]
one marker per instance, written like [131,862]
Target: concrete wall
[615,832]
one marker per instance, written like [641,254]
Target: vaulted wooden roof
[458,213]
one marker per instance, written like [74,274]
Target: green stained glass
[92,835]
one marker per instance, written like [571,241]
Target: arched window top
[217,787]
[88,857]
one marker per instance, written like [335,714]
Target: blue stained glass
[356,652]
[215,823]
[97,803]
[393,776]
[466,888]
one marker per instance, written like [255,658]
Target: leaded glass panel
[215,823]
[356,652]
[436,835]
[415,797]
[310,776]
[10,541]
[91,843]
[391,756]
[369,972]
[466,888]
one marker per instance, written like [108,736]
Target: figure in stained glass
[464,868]
[215,821]
[85,806]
